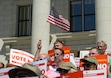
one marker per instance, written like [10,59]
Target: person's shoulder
[109,57]
[109,60]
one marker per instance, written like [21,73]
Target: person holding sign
[58,59]
[100,50]
[95,51]
[39,56]
[102,46]
[57,44]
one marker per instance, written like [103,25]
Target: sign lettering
[102,66]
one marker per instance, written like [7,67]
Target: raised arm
[39,46]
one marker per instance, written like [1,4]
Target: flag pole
[52,4]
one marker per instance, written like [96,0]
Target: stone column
[103,21]
[40,26]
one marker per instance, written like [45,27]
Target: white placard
[19,57]
[42,65]
[72,59]
[84,53]
[4,72]
[94,74]
[77,61]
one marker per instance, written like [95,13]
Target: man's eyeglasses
[100,46]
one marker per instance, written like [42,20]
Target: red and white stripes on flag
[58,20]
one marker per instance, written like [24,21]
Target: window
[82,14]
[24,20]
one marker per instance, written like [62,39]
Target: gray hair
[105,45]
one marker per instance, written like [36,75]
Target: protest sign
[19,57]
[77,61]
[102,62]
[72,59]
[4,72]
[42,65]
[94,74]
[66,53]
[84,53]
[78,74]
[86,74]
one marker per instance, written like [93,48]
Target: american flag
[58,20]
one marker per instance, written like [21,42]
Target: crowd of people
[60,67]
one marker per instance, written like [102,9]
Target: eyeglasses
[100,46]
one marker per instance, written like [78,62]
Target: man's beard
[57,60]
